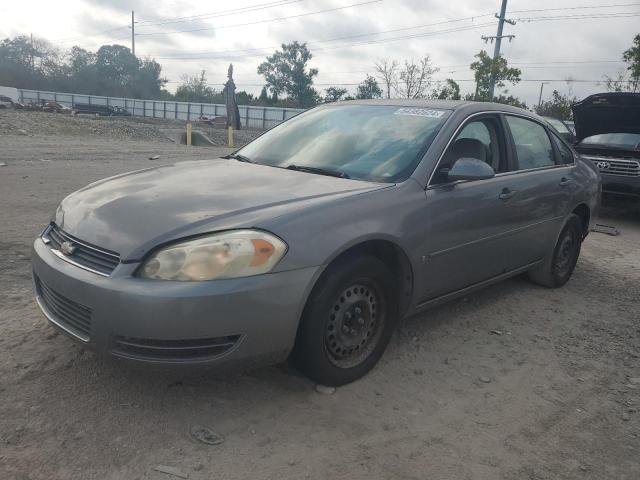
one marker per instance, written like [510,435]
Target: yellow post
[230,130]
[189,134]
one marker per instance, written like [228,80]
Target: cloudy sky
[554,41]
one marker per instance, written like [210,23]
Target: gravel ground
[42,124]
[514,382]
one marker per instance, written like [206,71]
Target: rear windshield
[365,142]
[630,141]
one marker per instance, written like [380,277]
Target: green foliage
[334,94]
[264,96]
[485,67]
[369,88]
[622,83]
[510,100]
[558,107]
[632,58]
[286,72]
[449,91]
[196,89]
[111,71]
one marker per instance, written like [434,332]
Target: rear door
[542,182]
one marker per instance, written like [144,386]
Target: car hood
[134,212]
[607,113]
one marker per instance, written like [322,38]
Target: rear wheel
[556,270]
[347,322]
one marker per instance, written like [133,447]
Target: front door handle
[506,194]
[564,181]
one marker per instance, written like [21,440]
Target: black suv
[608,134]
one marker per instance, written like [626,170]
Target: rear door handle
[564,181]
[506,194]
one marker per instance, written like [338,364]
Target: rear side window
[533,146]
[566,157]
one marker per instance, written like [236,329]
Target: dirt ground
[514,382]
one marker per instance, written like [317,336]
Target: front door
[468,239]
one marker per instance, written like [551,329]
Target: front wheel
[347,322]
[556,270]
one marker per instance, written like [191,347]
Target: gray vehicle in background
[562,128]
[313,240]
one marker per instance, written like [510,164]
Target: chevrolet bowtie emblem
[67,248]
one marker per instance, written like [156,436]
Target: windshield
[557,124]
[363,142]
[630,141]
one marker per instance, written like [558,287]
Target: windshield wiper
[318,170]
[240,158]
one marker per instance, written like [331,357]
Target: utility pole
[542,84]
[31,55]
[498,38]
[133,34]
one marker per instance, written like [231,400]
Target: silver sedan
[315,239]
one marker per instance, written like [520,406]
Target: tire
[557,268]
[347,322]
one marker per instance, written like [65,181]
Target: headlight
[239,253]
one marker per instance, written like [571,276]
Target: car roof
[467,105]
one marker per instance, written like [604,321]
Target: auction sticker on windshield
[420,112]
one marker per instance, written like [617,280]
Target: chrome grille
[616,166]
[67,314]
[84,255]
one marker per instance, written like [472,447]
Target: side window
[566,156]
[477,139]
[533,146]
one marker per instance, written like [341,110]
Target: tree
[196,89]
[29,64]
[415,78]
[558,107]
[117,68]
[147,80]
[620,83]
[632,58]
[286,72]
[510,100]
[264,96]
[334,94]
[369,88]
[388,73]
[449,91]
[486,67]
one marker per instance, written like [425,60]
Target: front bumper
[250,321]
[620,185]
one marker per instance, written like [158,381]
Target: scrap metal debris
[206,435]
[608,229]
[170,471]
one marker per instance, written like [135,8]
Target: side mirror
[470,169]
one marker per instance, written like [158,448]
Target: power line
[577,7]
[260,51]
[264,21]
[347,37]
[71,39]
[580,17]
[222,13]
